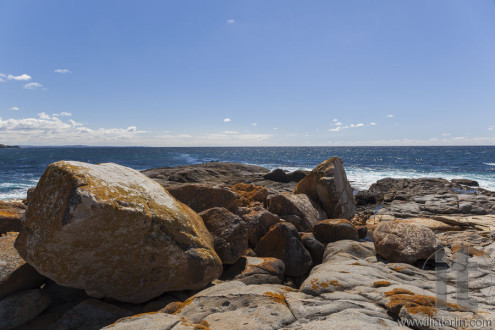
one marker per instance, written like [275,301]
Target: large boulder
[406,243]
[15,273]
[115,233]
[258,221]
[327,184]
[332,230]
[283,242]
[299,210]
[202,197]
[230,233]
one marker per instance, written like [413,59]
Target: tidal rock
[148,321]
[91,314]
[258,221]
[230,233]
[115,233]
[202,197]
[10,216]
[332,230]
[314,247]
[297,175]
[15,274]
[327,184]
[22,307]
[255,270]
[277,175]
[251,192]
[299,210]
[398,242]
[283,242]
[466,182]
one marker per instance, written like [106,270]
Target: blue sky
[253,72]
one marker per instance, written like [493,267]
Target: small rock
[255,270]
[466,182]
[258,221]
[314,247]
[202,197]
[15,274]
[297,175]
[230,233]
[10,216]
[362,232]
[277,175]
[251,192]
[299,210]
[398,242]
[22,307]
[283,242]
[332,230]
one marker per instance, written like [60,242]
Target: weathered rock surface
[251,192]
[283,242]
[254,270]
[406,243]
[148,321]
[230,233]
[91,314]
[314,247]
[202,197]
[112,231]
[299,210]
[332,230]
[10,216]
[15,274]
[21,307]
[327,184]
[258,221]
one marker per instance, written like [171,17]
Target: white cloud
[49,130]
[372,124]
[446,134]
[338,123]
[231,21]
[390,116]
[33,85]
[14,109]
[491,128]
[335,120]
[22,77]
[254,124]
[63,71]
[230,132]
[2,76]
[356,125]
[227,120]
[275,128]
[62,114]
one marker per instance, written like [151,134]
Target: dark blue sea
[22,168]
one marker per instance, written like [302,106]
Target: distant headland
[10,147]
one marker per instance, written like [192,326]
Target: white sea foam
[490,164]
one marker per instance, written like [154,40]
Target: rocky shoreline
[229,245]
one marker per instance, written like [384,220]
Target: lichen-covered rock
[148,321]
[115,233]
[22,307]
[202,197]
[10,216]
[230,233]
[15,273]
[283,242]
[254,270]
[251,192]
[299,210]
[399,242]
[258,221]
[327,184]
[332,230]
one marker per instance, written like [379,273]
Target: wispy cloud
[22,77]
[231,21]
[254,124]
[227,120]
[2,77]
[446,134]
[390,116]
[62,114]
[230,132]
[33,85]
[338,126]
[14,108]
[491,128]
[63,71]
[372,124]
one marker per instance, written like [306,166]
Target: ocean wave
[489,164]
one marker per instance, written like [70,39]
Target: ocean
[21,169]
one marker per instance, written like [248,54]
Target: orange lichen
[356,263]
[398,268]
[414,303]
[381,284]
[176,307]
[201,325]
[251,192]
[277,297]
[470,250]
[315,284]
[398,291]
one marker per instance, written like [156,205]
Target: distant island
[10,147]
